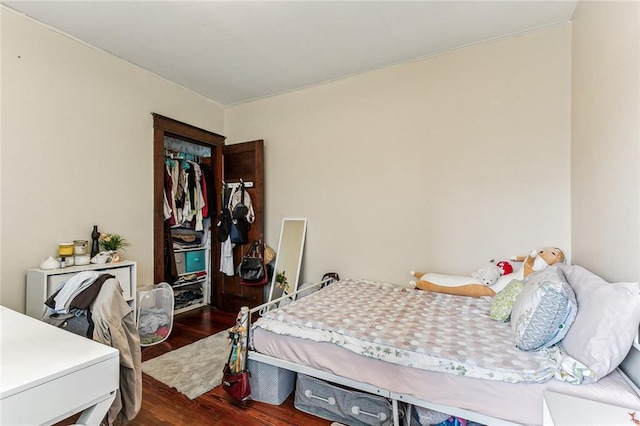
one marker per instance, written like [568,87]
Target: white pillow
[544,310]
[607,320]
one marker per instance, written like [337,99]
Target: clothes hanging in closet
[170,272]
[186,191]
[207,182]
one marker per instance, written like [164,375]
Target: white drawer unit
[42,283]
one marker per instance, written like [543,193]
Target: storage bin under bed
[269,383]
[155,313]
[331,402]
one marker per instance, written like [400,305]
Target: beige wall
[606,138]
[77,147]
[440,164]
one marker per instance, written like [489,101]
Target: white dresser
[42,283]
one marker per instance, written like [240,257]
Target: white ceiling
[233,51]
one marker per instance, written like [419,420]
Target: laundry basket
[155,313]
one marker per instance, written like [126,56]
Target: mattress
[424,330]
[514,402]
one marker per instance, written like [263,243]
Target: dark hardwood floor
[162,405]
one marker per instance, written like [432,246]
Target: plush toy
[488,274]
[451,284]
[505,267]
[476,287]
[537,260]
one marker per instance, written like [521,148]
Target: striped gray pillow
[544,310]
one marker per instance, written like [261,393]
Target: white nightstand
[564,410]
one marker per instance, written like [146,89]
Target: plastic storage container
[269,383]
[155,313]
[338,404]
[194,261]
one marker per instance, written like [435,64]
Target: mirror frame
[294,285]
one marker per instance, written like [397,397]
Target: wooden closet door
[242,161]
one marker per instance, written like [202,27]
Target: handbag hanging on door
[239,231]
[235,375]
[252,270]
[241,214]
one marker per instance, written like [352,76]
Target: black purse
[239,231]
[239,226]
[252,270]
[240,210]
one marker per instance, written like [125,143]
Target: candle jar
[65,249]
[80,247]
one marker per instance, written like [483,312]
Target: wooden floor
[162,405]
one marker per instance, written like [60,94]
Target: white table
[566,410]
[48,374]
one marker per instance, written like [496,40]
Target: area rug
[193,369]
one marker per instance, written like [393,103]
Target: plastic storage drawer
[342,405]
[194,261]
[269,383]
[180,263]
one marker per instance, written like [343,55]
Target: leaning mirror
[288,258]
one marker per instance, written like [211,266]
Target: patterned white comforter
[419,329]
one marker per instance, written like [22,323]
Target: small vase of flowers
[282,282]
[112,243]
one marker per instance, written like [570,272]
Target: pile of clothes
[153,325]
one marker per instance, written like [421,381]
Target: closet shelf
[188,283]
[182,250]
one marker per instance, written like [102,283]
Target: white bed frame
[630,370]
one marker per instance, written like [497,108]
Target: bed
[443,351]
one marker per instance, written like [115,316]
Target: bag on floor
[236,384]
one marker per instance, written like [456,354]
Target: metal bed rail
[262,309]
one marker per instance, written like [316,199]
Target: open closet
[191,165]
